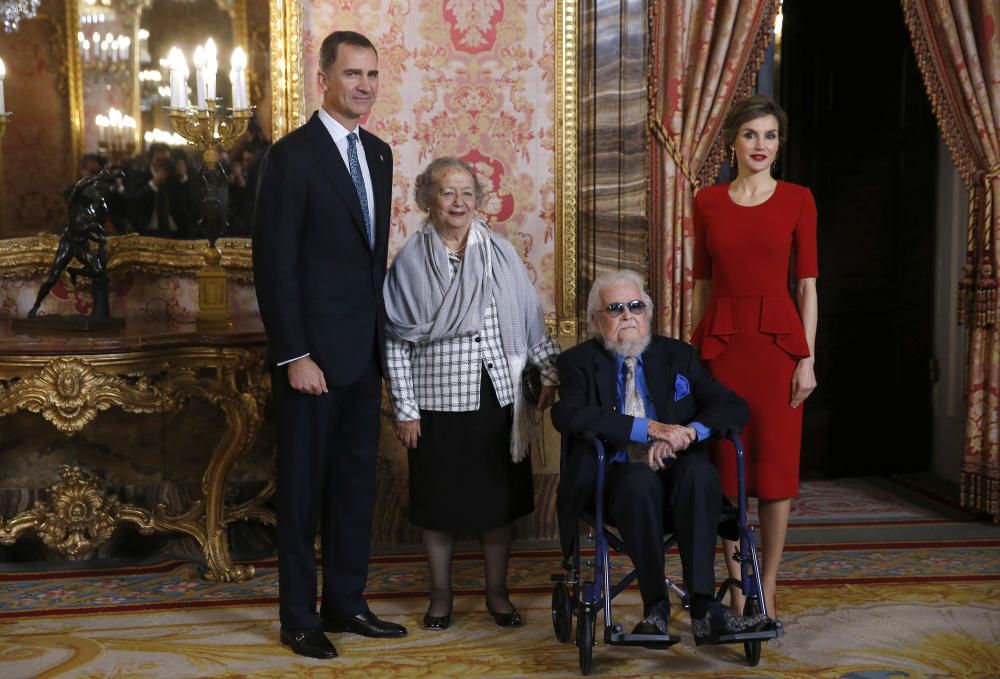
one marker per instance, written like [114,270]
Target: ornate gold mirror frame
[30,256]
[287,86]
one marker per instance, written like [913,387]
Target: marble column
[613,179]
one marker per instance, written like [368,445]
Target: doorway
[864,139]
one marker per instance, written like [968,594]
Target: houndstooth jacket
[445,375]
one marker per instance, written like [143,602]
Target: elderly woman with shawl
[463,321]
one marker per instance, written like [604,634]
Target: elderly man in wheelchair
[652,405]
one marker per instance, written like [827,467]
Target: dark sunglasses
[636,307]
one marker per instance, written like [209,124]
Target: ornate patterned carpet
[877,583]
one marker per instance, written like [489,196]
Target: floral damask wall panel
[469,78]
[35,149]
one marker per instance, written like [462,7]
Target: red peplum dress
[751,335]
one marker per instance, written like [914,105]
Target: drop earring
[732,156]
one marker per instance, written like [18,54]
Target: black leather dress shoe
[311,643]
[366,624]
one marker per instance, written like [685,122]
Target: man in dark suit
[161,198]
[653,403]
[320,245]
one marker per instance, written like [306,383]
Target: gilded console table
[150,366]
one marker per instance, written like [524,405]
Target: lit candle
[114,51]
[115,123]
[238,77]
[3,73]
[199,75]
[185,72]
[123,47]
[234,77]
[86,51]
[178,79]
[129,125]
[102,132]
[143,46]
[211,68]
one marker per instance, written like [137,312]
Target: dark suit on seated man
[654,404]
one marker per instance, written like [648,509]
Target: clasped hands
[667,441]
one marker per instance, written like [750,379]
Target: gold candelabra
[208,129]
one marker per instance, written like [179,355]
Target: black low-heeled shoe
[512,619]
[439,621]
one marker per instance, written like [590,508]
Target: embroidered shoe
[722,620]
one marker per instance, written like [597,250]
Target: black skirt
[461,474]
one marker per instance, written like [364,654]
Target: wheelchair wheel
[585,639]
[751,648]
[562,613]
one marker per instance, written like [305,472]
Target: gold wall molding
[30,257]
[70,390]
[566,122]
[74,70]
[287,93]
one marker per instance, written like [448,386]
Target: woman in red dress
[750,333]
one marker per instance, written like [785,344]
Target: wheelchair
[591,598]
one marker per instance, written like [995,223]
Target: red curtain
[958,52]
[706,53]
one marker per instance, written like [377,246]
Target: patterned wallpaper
[35,150]
[469,78]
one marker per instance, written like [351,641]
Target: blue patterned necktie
[635,407]
[359,184]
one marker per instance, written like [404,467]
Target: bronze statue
[84,240]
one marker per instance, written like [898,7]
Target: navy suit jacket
[588,402]
[319,285]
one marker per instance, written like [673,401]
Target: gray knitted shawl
[424,304]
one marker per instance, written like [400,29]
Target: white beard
[628,347]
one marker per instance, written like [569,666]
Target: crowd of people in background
[161,191]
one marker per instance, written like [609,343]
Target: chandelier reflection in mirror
[12,12]
[116,135]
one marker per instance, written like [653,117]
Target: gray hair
[594,305]
[423,187]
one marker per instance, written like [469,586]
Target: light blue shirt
[640,425]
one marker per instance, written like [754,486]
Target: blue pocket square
[681,387]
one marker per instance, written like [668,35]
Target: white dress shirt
[339,134]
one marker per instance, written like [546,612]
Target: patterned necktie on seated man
[637,452]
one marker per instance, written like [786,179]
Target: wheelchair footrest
[771,630]
[616,637]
